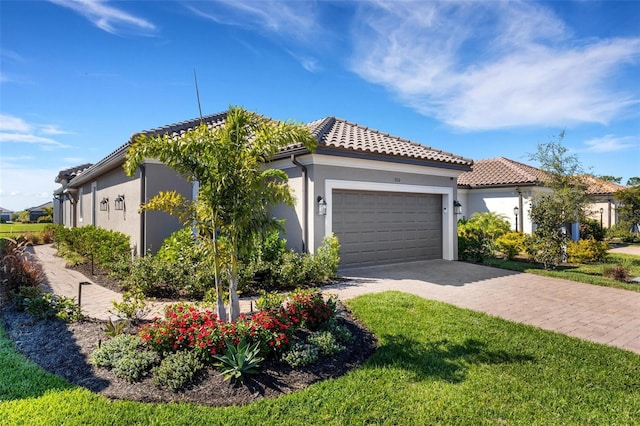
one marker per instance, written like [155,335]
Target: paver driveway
[599,314]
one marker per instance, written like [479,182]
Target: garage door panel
[382,227]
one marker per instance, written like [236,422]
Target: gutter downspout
[520,211]
[143,214]
[305,207]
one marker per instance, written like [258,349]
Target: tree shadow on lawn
[52,344]
[443,359]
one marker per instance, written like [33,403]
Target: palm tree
[235,187]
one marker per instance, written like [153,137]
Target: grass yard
[584,273]
[437,364]
[15,229]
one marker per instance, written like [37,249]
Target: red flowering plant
[181,328]
[309,308]
[272,329]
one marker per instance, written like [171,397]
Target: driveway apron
[599,314]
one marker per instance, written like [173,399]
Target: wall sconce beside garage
[457,207]
[104,204]
[322,206]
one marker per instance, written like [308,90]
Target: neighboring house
[386,198]
[501,185]
[5,215]
[36,212]
[603,207]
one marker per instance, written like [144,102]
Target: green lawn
[15,229]
[584,273]
[437,364]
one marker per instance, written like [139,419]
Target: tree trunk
[234,301]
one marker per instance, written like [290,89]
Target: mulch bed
[64,349]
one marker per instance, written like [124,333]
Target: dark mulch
[64,349]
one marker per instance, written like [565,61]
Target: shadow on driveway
[441,272]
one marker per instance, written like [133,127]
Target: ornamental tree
[566,203]
[235,187]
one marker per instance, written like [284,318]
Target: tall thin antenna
[195,77]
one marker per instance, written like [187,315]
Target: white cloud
[9,123]
[17,130]
[296,19]
[611,143]
[489,65]
[107,18]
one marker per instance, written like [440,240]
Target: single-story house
[5,215]
[508,187]
[386,198]
[36,212]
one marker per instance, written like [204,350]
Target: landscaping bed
[63,349]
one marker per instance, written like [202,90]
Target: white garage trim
[447,204]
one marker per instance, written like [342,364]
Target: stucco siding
[159,225]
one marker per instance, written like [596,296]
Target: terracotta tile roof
[72,172]
[331,132]
[341,134]
[596,186]
[501,172]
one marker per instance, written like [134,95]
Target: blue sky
[479,79]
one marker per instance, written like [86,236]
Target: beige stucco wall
[367,175]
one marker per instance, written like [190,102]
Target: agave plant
[239,360]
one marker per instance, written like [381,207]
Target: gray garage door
[387,227]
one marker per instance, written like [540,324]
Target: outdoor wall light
[322,206]
[119,202]
[457,207]
[515,213]
[104,204]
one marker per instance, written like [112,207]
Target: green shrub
[125,356]
[586,251]
[44,305]
[477,235]
[326,343]
[300,355]
[109,352]
[340,332]
[133,306]
[134,366]
[327,259]
[271,266]
[590,228]
[545,248]
[177,370]
[270,300]
[511,244]
[618,273]
[107,247]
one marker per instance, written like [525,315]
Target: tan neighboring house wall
[500,184]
